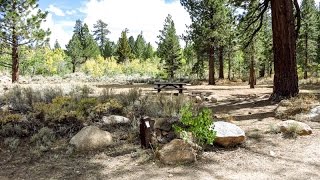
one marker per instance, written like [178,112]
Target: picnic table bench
[169,85]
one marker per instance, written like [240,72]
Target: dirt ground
[263,156]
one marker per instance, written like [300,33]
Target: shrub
[43,139]
[80,92]
[21,99]
[291,132]
[6,117]
[12,143]
[128,98]
[200,124]
[106,94]
[51,93]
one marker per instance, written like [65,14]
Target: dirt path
[263,156]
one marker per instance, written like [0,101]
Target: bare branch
[259,17]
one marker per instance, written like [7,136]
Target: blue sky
[136,15]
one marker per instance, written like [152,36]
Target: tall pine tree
[100,33]
[123,47]
[169,47]
[207,31]
[139,46]
[20,26]
[307,43]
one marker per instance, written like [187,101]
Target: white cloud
[55,10]
[61,30]
[71,12]
[138,15]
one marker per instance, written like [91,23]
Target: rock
[228,134]
[198,99]
[314,114]
[177,152]
[113,119]
[299,127]
[91,138]
[212,98]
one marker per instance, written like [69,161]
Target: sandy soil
[263,156]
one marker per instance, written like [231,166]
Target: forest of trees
[233,39]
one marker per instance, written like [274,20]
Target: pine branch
[4,64]
[259,17]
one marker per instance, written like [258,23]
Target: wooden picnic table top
[169,83]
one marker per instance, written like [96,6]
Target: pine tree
[207,31]
[131,42]
[318,35]
[169,47]
[74,51]
[100,33]
[89,45]
[139,46]
[19,26]
[148,52]
[56,45]
[285,28]
[123,48]
[109,49]
[307,43]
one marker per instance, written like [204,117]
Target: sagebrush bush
[80,92]
[43,139]
[12,143]
[21,99]
[106,94]
[128,98]
[51,93]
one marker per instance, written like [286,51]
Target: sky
[137,15]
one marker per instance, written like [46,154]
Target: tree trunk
[211,66]
[284,41]
[221,74]
[73,67]
[229,66]
[15,56]
[252,78]
[305,76]
[262,72]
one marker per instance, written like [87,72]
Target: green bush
[43,139]
[199,124]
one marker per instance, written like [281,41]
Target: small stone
[113,119]
[272,153]
[170,175]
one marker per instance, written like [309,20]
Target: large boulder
[114,119]
[291,125]
[228,134]
[91,138]
[177,152]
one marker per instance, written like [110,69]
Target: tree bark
[15,56]
[305,76]
[284,41]
[221,74]
[252,78]
[73,67]
[229,66]
[262,72]
[211,66]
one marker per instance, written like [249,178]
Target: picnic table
[170,85]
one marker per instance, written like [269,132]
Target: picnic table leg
[180,90]
[159,88]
